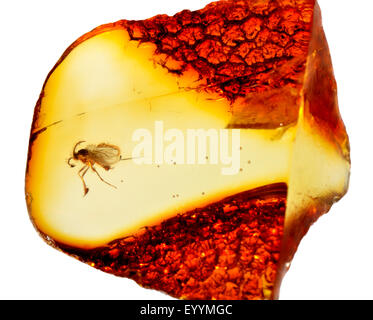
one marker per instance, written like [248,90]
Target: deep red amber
[235,46]
[227,250]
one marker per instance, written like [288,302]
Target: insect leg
[94,169]
[81,176]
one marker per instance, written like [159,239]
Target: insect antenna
[69,162]
[74,151]
[124,159]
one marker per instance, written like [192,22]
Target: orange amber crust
[227,250]
[236,47]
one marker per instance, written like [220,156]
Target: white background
[335,259]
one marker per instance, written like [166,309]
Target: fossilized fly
[104,155]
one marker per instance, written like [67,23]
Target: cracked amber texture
[259,66]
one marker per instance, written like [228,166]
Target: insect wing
[104,154]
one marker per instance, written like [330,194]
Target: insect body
[104,155]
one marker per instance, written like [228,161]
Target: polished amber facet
[259,69]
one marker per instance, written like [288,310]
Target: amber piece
[259,70]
